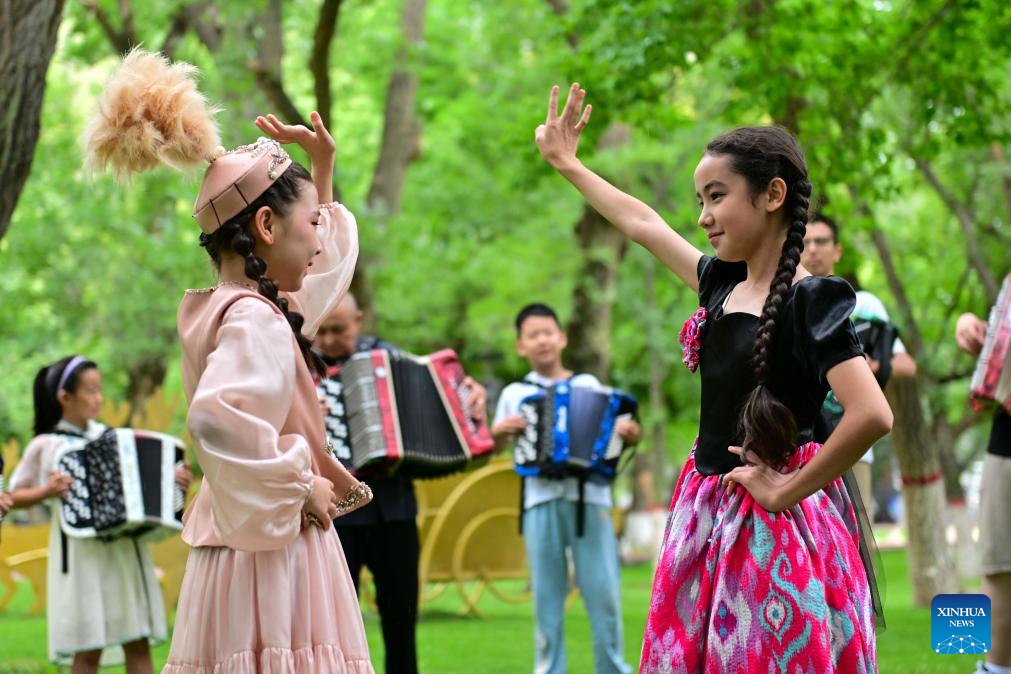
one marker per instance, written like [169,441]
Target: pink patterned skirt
[740,590]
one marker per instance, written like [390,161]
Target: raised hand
[558,137]
[317,142]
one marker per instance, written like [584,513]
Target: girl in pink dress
[266,588]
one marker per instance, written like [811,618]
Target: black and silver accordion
[123,485]
[571,431]
[396,413]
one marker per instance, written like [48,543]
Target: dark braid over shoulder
[761,154]
[233,236]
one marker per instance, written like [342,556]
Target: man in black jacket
[383,535]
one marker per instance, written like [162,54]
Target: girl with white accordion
[760,568]
[104,604]
[267,587]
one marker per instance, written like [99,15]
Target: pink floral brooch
[691,338]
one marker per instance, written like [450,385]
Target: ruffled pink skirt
[286,611]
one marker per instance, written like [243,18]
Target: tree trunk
[28,31]
[650,469]
[401,130]
[401,140]
[931,568]
[602,247]
[146,375]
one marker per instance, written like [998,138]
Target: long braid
[233,236]
[769,427]
[761,154]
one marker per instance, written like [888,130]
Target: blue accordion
[571,431]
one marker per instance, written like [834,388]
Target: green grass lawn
[502,641]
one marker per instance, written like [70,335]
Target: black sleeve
[717,277]
[706,278]
[823,332]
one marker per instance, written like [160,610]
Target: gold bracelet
[360,492]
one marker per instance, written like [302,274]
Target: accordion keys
[572,431]
[404,414]
[123,484]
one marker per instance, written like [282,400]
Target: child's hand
[970,331]
[765,484]
[58,485]
[6,503]
[629,431]
[477,399]
[321,507]
[317,143]
[184,477]
[558,137]
[513,425]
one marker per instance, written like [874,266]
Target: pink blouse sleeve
[259,479]
[331,272]
[33,469]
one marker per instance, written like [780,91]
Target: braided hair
[760,154]
[233,235]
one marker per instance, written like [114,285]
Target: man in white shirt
[822,251]
[550,513]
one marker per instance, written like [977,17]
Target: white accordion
[123,485]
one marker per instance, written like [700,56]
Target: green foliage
[484,226]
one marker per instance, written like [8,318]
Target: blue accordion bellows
[571,431]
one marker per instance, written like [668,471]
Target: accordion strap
[581,508]
[63,550]
[523,481]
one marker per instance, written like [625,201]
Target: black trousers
[390,551]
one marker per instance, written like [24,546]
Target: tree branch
[119,39]
[126,18]
[192,16]
[894,282]
[273,88]
[954,375]
[267,68]
[1005,182]
[965,220]
[319,63]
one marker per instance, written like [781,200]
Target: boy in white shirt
[550,513]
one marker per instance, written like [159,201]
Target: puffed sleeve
[34,467]
[716,275]
[259,478]
[823,332]
[331,272]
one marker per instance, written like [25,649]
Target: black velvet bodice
[814,334]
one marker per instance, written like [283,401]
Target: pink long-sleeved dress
[262,592]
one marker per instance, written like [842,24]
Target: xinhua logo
[960,624]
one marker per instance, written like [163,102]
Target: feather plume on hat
[151,113]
